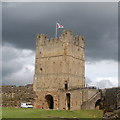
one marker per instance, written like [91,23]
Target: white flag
[59,26]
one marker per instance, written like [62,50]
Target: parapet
[67,36]
[67,33]
[42,36]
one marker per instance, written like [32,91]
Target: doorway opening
[67,101]
[50,102]
[98,105]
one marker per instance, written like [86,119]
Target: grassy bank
[38,113]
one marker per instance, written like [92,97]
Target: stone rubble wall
[111,103]
[111,99]
[13,96]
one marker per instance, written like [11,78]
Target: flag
[59,26]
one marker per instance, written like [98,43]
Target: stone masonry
[13,96]
[59,80]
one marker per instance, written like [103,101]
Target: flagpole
[56,31]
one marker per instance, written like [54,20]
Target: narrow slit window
[66,86]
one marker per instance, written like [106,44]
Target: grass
[41,113]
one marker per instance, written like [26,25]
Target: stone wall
[13,96]
[57,62]
[90,98]
[59,65]
[111,103]
[111,99]
[85,98]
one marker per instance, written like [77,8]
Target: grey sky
[23,21]
[96,21]
[60,0]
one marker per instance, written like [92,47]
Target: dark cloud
[21,22]
[96,21]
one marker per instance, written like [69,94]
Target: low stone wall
[90,97]
[13,96]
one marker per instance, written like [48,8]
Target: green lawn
[40,113]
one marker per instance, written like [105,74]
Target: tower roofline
[66,36]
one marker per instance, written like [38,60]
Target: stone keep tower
[59,71]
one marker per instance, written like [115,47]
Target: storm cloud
[96,21]
[21,22]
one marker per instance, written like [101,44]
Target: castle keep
[59,80]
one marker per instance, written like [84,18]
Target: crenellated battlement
[66,37]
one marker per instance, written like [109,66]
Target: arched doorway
[50,102]
[98,105]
